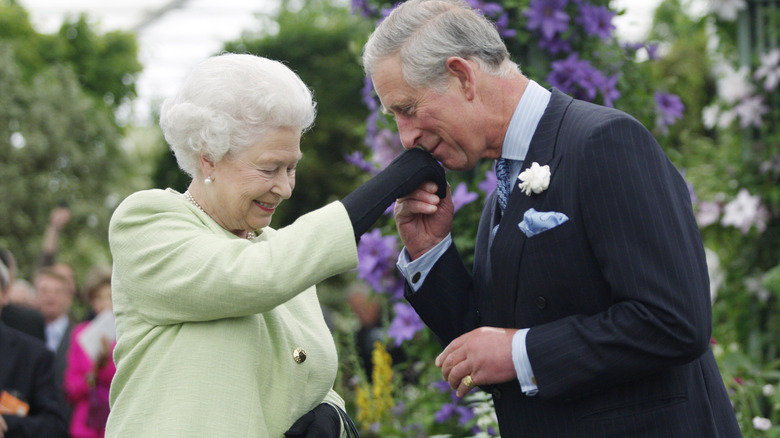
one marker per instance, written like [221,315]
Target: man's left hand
[485,354]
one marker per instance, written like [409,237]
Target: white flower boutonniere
[535,179]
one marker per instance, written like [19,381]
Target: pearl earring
[208,180]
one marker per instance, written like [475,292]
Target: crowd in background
[56,369]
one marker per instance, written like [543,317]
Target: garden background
[706,83]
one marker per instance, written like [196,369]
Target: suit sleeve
[638,219]
[47,411]
[445,300]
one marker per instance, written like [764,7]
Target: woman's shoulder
[151,199]
[151,195]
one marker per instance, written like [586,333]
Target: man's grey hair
[5,277]
[228,102]
[425,33]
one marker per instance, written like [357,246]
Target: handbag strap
[349,426]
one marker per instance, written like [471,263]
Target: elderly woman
[219,330]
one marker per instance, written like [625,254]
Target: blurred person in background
[219,329]
[90,368]
[55,298]
[31,404]
[23,318]
[23,293]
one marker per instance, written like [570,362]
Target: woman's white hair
[227,103]
[425,33]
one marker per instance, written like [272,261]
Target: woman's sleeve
[173,264]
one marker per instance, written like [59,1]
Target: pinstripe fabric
[617,298]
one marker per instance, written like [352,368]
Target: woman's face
[102,299]
[250,185]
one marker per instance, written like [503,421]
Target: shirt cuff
[415,271]
[525,374]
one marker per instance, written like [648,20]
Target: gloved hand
[401,177]
[322,421]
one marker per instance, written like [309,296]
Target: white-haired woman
[219,330]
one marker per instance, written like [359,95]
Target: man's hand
[423,219]
[59,217]
[485,354]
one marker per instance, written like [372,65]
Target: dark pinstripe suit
[617,298]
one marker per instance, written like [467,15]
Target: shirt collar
[524,121]
[55,330]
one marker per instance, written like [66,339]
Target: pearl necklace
[188,196]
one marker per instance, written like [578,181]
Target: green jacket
[207,322]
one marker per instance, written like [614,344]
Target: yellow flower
[375,400]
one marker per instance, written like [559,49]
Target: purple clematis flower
[670,109]
[489,184]
[377,255]
[596,20]
[581,80]
[548,17]
[462,196]
[405,324]
[356,159]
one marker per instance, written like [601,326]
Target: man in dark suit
[587,313]
[55,298]
[22,318]
[30,402]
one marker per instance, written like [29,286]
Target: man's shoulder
[22,341]
[24,319]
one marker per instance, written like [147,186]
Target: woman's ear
[207,166]
[463,72]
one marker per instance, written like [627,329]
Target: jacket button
[541,302]
[299,355]
[496,393]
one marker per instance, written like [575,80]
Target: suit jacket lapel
[509,242]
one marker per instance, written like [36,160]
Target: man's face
[54,296]
[443,124]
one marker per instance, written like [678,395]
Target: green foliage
[59,138]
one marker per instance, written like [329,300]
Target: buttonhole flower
[535,179]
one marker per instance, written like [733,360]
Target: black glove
[322,421]
[401,177]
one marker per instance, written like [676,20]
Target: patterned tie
[504,185]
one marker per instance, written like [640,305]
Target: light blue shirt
[55,331]
[517,140]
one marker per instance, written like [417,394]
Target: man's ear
[464,73]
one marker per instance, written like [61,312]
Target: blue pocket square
[535,222]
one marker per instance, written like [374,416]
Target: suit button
[299,355]
[541,302]
[479,317]
[496,393]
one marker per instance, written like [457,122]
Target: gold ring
[467,382]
